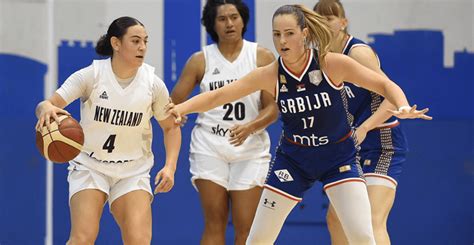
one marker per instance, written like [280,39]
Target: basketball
[61,143]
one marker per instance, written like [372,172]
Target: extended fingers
[422,114]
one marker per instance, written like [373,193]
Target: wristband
[404,107]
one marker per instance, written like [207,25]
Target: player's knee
[136,231]
[83,234]
[242,227]
[82,238]
[241,235]
[361,237]
[379,221]
[215,226]
[136,236]
[215,219]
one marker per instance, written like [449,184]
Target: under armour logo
[104,95]
[269,204]
[216,71]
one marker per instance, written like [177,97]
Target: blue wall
[435,196]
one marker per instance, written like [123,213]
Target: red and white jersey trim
[342,181]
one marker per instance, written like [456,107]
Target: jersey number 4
[109,144]
[238,109]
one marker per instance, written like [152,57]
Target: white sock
[269,218]
[351,203]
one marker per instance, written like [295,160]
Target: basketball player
[229,152]
[118,96]
[316,142]
[382,153]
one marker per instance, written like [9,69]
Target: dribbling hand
[407,112]
[48,111]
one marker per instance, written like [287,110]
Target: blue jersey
[316,142]
[382,153]
[313,110]
[362,102]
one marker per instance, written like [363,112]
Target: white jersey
[116,120]
[218,73]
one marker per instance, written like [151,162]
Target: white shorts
[234,176]
[81,177]
[243,167]
[205,143]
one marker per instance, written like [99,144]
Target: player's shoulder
[101,63]
[197,57]
[363,52]
[264,56]
[196,63]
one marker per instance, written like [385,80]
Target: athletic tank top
[313,110]
[116,120]
[220,72]
[362,102]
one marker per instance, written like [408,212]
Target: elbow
[274,113]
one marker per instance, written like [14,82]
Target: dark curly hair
[209,14]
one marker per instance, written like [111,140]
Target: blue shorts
[384,163]
[392,139]
[295,168]
[383,153]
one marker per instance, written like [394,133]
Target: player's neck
[230,49]
[122,70]
[298,65]
[339,43]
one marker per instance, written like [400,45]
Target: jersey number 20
[238,109]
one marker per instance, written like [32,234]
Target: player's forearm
[395,95]
[202,102]
[380,116]
[266,116]
[172,142]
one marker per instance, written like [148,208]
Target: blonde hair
[330,7]
[319,32]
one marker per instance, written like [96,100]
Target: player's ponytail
[103,47]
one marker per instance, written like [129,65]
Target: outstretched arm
[263,78]
[342,68]
[267,115]
[367,57]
